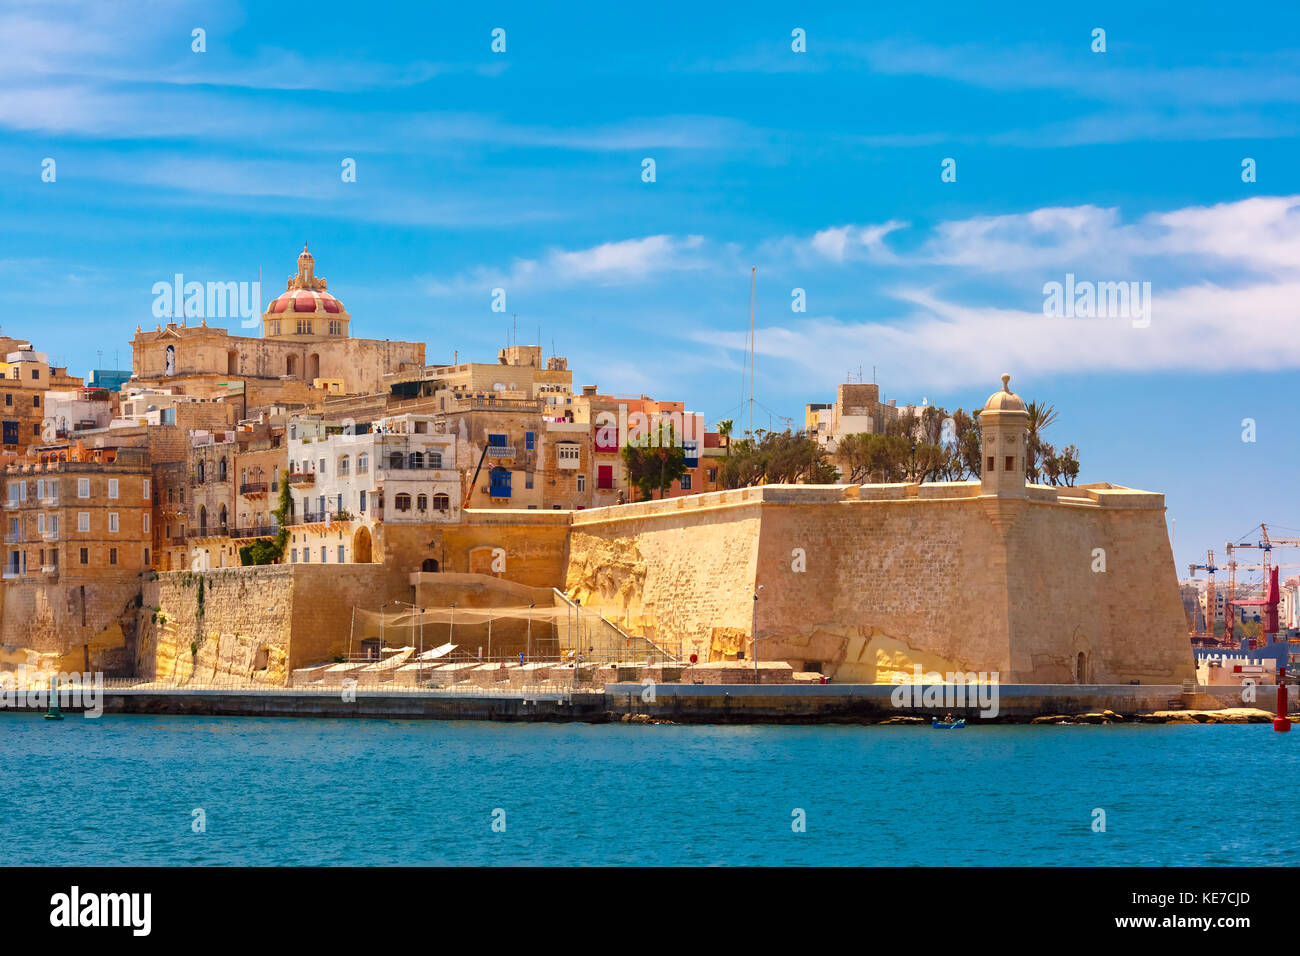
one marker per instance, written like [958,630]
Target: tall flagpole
[753,270]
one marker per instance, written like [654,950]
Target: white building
[399,469]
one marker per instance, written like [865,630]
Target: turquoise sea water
[121,790]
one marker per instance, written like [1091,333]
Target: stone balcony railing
[253,488]
[501,451]
[302,478]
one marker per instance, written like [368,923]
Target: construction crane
[469,492]
[1265,544]
[1209,567]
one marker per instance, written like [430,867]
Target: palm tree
[724,432]
[1040,418]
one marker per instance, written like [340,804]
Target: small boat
[938,724]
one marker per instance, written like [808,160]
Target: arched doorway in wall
[291,365]
[232,362]
[203,520]
[361,551]
[313,366]
[1081,668]
[429,565]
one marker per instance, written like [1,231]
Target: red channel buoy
[1281,723]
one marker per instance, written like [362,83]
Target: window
[304,326]
[402,502]
[146,486]
[112,487]
[323,559]
[336,327]
[146,556]
[293,556]
[83,522]
[497,441]
[341,558]
[417,459]
[9,399]
[582,482]
[36,430]
[83,487]
[528,479]
[604,476]
[441,503]
[363,502]
[344,467]
[435,459]
[36,373]
[144,522]
[36,401]
[85,555]
[567,454]
[306,555]
[1011,463]
[22,491]
[686,483]
[499,483]
[988,466]
[529,439]
[713,475]
[112,522]
[322,466]
[421,502]
[363,463]
[221,470]
[112,555]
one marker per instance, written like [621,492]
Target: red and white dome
[305,301]
[305,296]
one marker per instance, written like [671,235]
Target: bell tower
[1004,427]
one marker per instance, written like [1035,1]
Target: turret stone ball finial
[1006,381]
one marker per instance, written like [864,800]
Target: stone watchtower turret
[1004,425]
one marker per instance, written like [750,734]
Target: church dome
[306,296]
[310,301]
[1005,400]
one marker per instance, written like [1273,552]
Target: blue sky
[522,170]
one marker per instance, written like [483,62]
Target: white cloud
[626,261]
[1245,319]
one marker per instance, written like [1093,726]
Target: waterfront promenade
[692,703]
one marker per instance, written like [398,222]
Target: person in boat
[949,719]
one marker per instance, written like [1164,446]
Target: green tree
[724,433]
[261,551]
[655,460]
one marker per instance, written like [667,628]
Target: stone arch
[203,520]
[313,366]
[1081,668]
[232,362]
[429,565]
[361,546]
[291,365]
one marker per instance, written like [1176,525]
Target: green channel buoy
[53,712]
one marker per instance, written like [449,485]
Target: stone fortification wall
[865,583]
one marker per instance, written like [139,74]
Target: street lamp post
[753,630]
[529,642]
